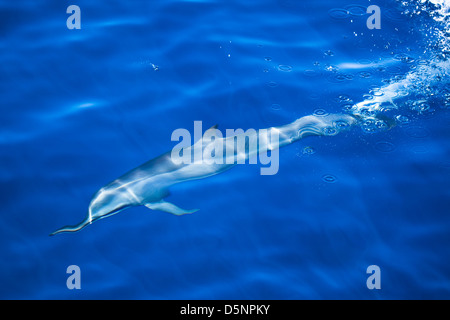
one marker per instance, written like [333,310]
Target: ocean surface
[80,107]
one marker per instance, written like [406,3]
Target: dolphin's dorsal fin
[203,141]
[214,127]
[168,207]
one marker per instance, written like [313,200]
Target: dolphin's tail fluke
[75,228]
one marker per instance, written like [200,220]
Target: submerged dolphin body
[149,183]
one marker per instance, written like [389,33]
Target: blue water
[81,107]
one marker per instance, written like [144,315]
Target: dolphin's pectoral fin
[168,207]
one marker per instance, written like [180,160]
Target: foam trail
[424,89]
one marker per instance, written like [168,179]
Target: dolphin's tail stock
[74,228]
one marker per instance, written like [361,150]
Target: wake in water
[424,90]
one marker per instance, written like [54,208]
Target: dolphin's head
[107,202]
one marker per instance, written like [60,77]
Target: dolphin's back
[159,165]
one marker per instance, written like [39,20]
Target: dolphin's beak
[74,228]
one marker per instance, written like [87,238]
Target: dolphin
[149,183]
